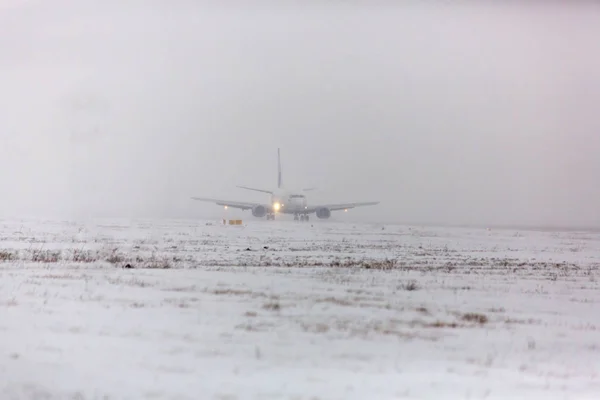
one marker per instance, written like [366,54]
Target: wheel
[295,217]
[306,218]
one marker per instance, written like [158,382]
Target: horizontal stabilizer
[256,190]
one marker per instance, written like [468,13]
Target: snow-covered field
[284,310]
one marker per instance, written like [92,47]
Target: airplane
[284,201]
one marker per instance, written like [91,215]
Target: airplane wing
[342,206]
[233,204]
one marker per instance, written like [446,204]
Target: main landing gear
[302,217]
[270,217]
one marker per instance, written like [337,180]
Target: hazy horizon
[455,115]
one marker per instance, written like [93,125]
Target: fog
[468,114]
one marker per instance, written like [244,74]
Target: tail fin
[279,180]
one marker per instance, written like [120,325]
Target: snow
[286,310]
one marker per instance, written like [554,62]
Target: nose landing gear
[301,217]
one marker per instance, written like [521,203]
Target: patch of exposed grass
[475,317]
[241,292]
[182,289]
[273,306]
[59,276]
[334,300]
[114,257]
[442,324]
[7,256]
[234,292]
[45,256]
[409,286]
[163,263]
[84,256]
[315,327]
[129,282]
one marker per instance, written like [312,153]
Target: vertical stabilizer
[279,182]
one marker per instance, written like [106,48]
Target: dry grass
[133,282]
[214,252]
[45,256]
[191,288]
[475,317]
[233,292]
[315,327]
[113,256]
[409,286]
[272,306]
[59,276]
[442,324]
[7,256]
[241,292]
[337,301]
[84,256]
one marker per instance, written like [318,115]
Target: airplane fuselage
[288,202]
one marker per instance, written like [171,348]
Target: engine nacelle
[259,211]
[323,213]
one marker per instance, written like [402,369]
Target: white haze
[470,114]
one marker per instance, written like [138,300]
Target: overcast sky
[466,114]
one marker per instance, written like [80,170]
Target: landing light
[346,210]
[276,206]
[226,207]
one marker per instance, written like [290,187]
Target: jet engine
[323,212]
[259,211]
